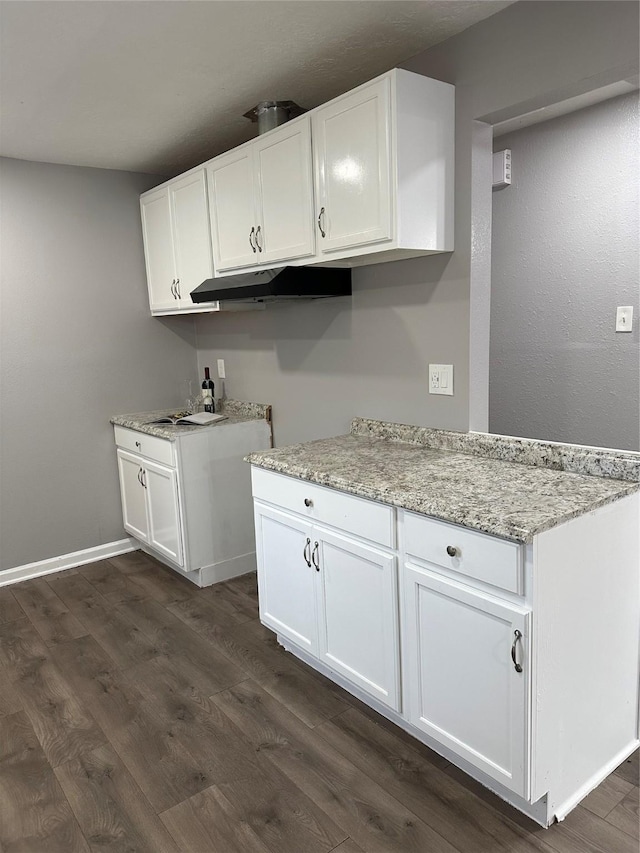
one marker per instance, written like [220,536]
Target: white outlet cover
[221,372]
[624,318]
[441,379]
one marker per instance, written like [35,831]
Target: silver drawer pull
[452,551]
[307,554]
[308,502]
[516,636]
[315,557]
[138,445]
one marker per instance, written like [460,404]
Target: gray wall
[321,364]
[564,255]
[77,345]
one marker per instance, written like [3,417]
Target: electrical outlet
[221,372]
[441,379]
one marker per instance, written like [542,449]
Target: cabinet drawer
[477,555]
[158,449]
[360,517]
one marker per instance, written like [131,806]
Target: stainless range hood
[275,285]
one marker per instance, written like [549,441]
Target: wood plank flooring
[139,714]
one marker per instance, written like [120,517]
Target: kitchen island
[482,592]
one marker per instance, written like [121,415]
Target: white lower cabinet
[187,502]
[161,486]
[150,507]
[133,496]
[467,673]
[332,595]
[286,583]
[519,662]
[358,613]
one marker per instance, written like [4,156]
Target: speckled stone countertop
[235,411]
[514,500]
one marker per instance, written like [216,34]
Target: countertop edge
[524,535]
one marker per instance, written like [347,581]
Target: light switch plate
[221,372]
[441,379]
[624,318]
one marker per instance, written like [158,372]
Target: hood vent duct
[270,114]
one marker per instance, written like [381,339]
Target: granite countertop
[235,411]
[514,500]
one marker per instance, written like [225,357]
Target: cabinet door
[233,216]
[351,139]
[285,193]
[191,234]
[463,688]
[165,530]
[358,614]
[132,493]
[286,583]
[158,249]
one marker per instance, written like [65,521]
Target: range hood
[275,285]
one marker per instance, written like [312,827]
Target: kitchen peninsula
[396,557]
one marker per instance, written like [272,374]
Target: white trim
[207,575]
[67,561]
[227,569]
[561,811]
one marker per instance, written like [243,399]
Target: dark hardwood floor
[139,713]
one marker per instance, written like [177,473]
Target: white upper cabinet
[158,248]
[262,200]
[384,167]
[284,182]
[353,168]
[363,179]
[177,242]
[192,244]
[233,217]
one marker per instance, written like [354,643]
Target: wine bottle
[207,392]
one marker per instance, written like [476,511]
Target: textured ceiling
[160,85]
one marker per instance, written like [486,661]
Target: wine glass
[190,395]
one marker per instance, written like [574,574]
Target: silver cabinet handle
[143,477]
[173,289]
[306,554]
[452,551]
[179,296]
[315,557]
[251,243]
[321,221]
[516,636]
[140,475]
[258,242]
[308,502]
[138,445]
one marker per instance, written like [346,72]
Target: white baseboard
[67,561]
[227,569]
[207,575]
